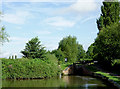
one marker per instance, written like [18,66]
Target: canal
[71,82]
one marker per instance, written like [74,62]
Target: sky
[50,20]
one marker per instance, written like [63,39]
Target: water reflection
[66,82]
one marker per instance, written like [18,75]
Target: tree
[34,49]
[81,52]
[59,54]
[69,47]
[3,36]
[89,53]
[110,14]
[107,45]
[15,56]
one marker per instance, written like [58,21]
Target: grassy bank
[30,68]
[93,68]
[64,65]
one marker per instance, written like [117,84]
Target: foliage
[64,65]
[59,54]
[85,59]
[116,65]
[81,52]
[110,14]
[3,35]
[107,44]
[15,56]
[34,49]
[30,68]
[89,53]
[70,48]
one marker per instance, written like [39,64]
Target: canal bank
[94,72]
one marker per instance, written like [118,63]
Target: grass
[114,78]
[97,71]
[63,66]
[85,59]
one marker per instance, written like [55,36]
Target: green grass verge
[85,59]
[114,78]
[95,70]
[63,66]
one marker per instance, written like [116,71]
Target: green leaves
[34,49]
[26,68]
[89,53]
[107,44]
[3,35]
[71,49]
[110,14]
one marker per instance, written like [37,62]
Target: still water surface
[71,82]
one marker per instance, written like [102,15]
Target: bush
[29,68]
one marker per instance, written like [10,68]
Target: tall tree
[110,13]
[81,52]
[34,49]
[69,47]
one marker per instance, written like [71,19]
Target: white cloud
[51,46]
[48,0]
[4,55]
[43,32]
[8,53]
[81,7]
[89,18]
[20,17]
[39,0]
[17,40]
[59,22]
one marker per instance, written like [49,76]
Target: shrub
[29,68]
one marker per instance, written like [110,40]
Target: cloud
[8,53]
[49,0]
[20,17]
[89,18]
[51,46]
[39,0]
[81,7]
[4,55]
[17,40]
[43,32]
[59,22]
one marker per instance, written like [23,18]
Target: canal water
[66,82]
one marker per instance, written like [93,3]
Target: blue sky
[50,20]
